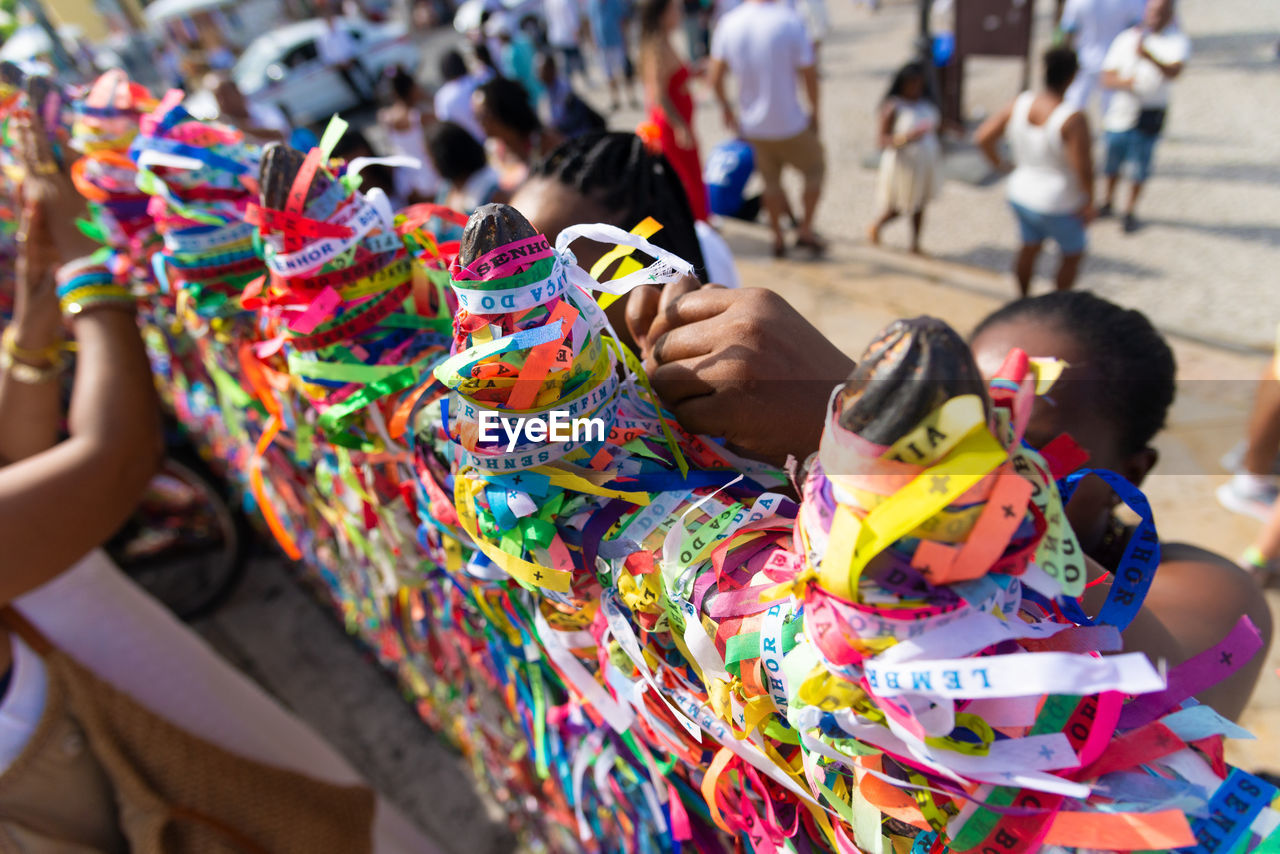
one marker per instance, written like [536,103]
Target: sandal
[814,244]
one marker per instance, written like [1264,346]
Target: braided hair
[618,172]
[1138,386]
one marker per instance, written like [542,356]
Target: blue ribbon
[1132,578]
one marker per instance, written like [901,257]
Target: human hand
[742,365]
[684,136]
[730,120]
[1088,213]
[813,123]
[47,186]
[37,261]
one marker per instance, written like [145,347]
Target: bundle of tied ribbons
[907,646]
[636,630]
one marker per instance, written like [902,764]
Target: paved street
[1205,262]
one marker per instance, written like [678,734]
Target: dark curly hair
[620,173]
[1139,383]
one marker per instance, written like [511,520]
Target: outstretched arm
[989,133]
[58,501]
[1079,150]
[718,70]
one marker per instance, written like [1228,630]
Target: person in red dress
[666,89]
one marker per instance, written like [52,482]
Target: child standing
[910,156]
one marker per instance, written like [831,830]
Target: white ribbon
[667,267]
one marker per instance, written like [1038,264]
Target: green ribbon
[399,381]
[539,271]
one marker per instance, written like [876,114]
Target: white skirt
[909,177]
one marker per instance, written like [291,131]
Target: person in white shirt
[564,20]
[453,99]
[337,49]
[1050,183]
[1091,26]
[766,47]
[1138,68]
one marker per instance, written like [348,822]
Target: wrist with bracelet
[31,366]
[85,286]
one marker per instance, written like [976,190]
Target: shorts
[1066,230]
[613,61]
[1131,146]
[802,152]
[571,59]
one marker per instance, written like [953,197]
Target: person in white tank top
[1050,184]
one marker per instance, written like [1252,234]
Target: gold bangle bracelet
[30,374]
[47,354]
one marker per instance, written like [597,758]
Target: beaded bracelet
[84,286]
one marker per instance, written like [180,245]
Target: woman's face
[1069,407]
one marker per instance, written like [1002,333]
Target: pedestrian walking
[453,98]
[562,108]
[608,30]
[1050,184]
[1138,69]
[515,136]
[911,156]
[564,31]
[666,91]
[516,56]
[817,22]
[468,179]
[337,49]
[406,120]
[764,45]
[1090,27]
[697,33]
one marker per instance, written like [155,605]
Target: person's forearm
[722,97]
[1112,80]
[113,402]
[1167,69]
[811,90]
[988,149]
[1146,634]
[1080,156]
[30,412]
[717,86]
[57,505]
[1085,168]
[673,115]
